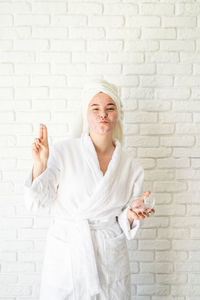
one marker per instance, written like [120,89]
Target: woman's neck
[102,143]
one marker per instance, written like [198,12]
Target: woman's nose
[102,113]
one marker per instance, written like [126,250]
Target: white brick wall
[150,49]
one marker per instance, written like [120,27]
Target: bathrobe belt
[83,260]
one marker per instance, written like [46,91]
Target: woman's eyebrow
[106,104]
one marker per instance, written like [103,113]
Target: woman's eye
[110,108]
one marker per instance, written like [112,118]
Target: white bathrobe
[86,255]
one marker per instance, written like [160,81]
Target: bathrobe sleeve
[123,218]
[43,189]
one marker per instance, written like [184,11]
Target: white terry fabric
[91,88]
[81,197]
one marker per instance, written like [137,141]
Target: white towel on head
[90,89]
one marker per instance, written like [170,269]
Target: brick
[138,141]
[154,152]
[67,20]
[160,9]
[173,163]
[173,234]
[6,69]
[34,69]
[6,188]
[72,69]
[6,20]
[89,57]
[104,45]
[126,57]
[162,57]
[68,45]
[177,45]
[5,45]
[129,104]
[30,19]
[6,116]
[170,186]
[13,289]
[131,129]
[16,245]
[86,33]
[156,267]
[149,245]
[194,210]
[134,267]
[158,33]
[49,33]
[179,21]
[187,174]
[140,117]
[153,106]
[31,93]
[195,163]
[32,116]
[174,117]
[174,69]
[138,69]
[186,152]
[156,222]
[188,222]
[185,290]
[16,7]
[138,93]
[105,21]
[7,140]
[179,278]
[158,129]
[84,8]
[9,81]
[187,128]
[30,233]
[195,93]
[120,9]
[177,141]
[159,174]
[187,81]
[48,80]
[34,44]
[17,57]
[153,290]
[141,45]
[49,7]
[143,256]
[171,255]
[139,21]
[188,9]
[142,278]
[104,68]
[189,57]
[172,93]
[194,278]
[188,34]
[15,32]
[146,234]
[156,81]
[123,33]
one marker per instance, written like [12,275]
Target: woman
[89,182]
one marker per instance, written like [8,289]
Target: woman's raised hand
[40,151]
[40,147]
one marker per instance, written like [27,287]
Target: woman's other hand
[138,210]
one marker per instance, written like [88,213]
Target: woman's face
[102,114]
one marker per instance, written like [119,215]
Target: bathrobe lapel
[104,184]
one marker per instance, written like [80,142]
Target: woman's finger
[136,216]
